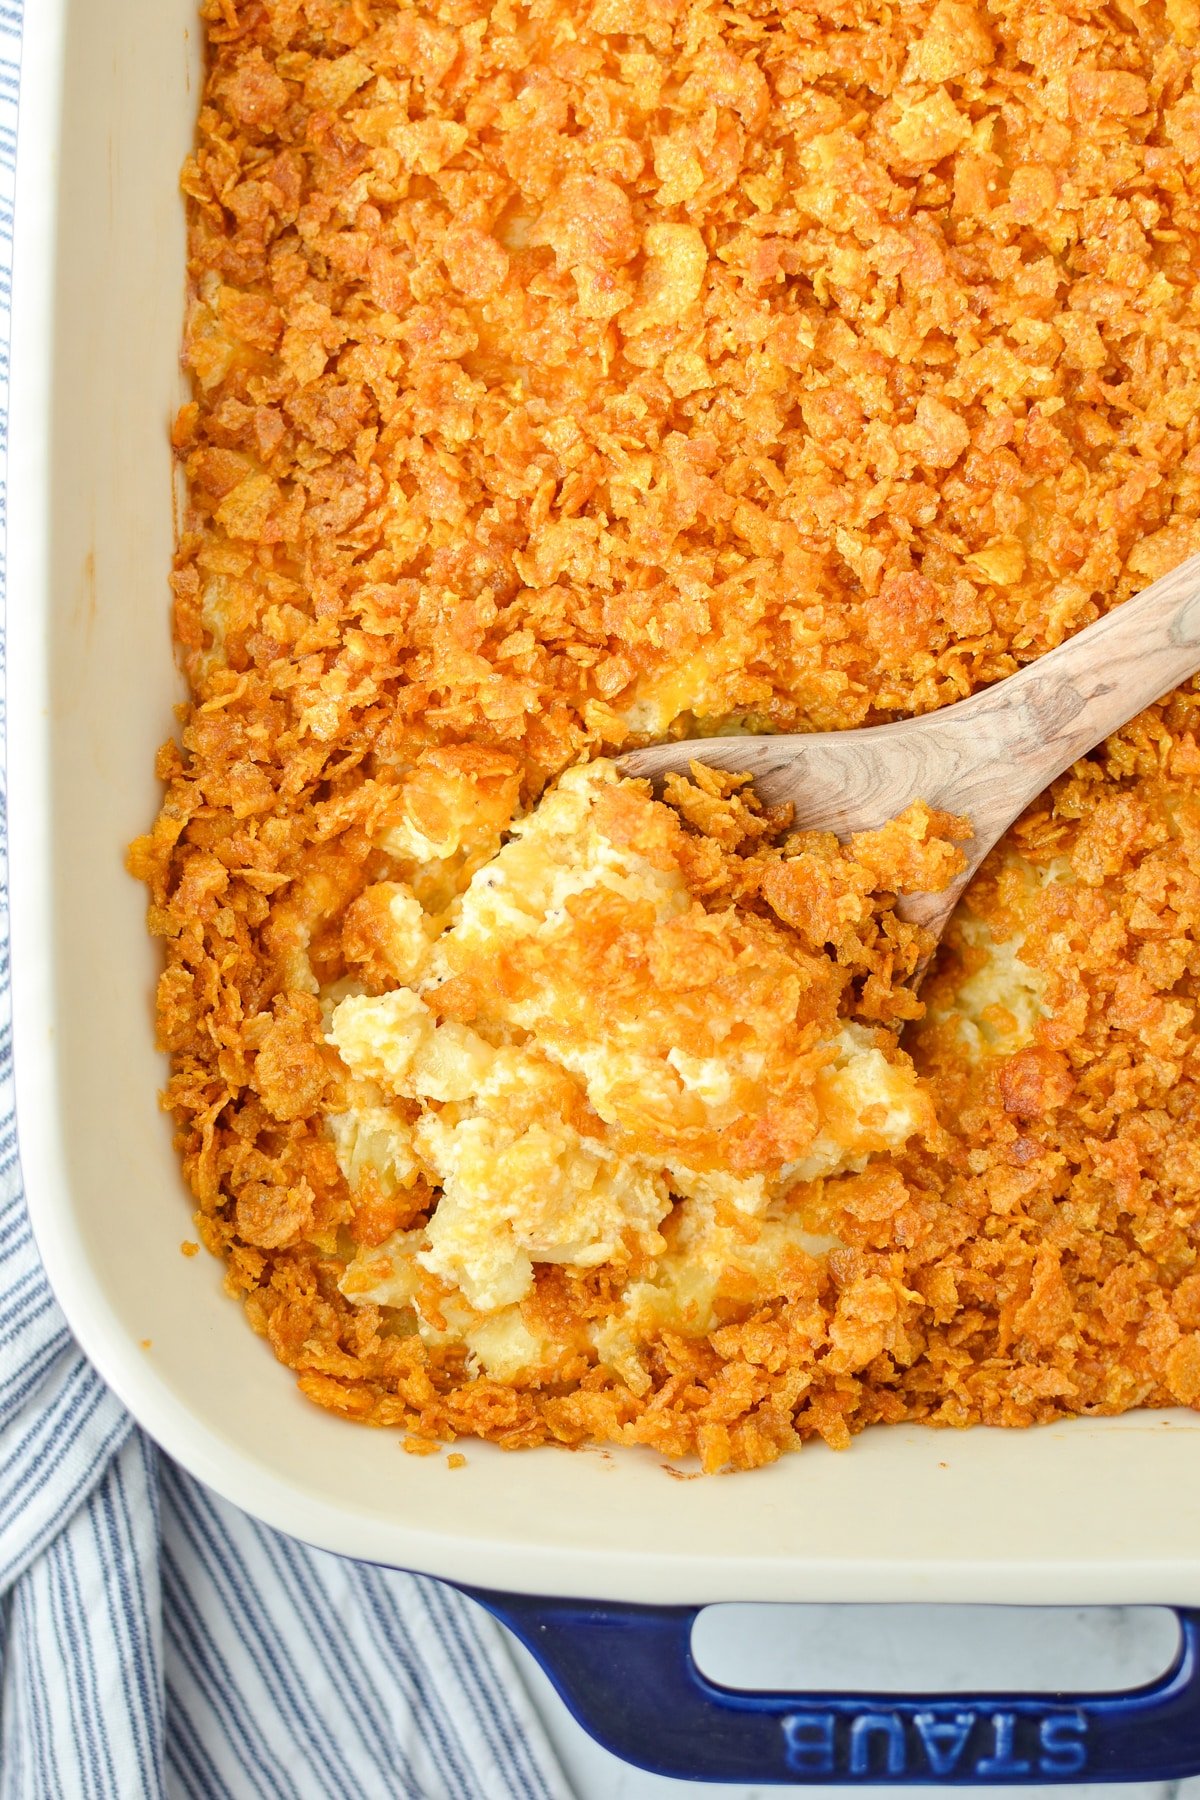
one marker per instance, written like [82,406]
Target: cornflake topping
[570,374]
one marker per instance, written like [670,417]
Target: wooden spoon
[988,756]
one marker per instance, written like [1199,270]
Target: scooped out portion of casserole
[630,1012]
[568,373]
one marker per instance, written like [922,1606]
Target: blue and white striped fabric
[153,1640]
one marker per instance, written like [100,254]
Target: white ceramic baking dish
[1102,1511]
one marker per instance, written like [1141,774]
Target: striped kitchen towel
[155,1641]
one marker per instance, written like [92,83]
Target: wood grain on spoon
[988,756]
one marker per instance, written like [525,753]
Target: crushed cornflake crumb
[569,374]
[188,1248]
[419,1446]
[456,1460]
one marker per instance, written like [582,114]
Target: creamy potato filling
[998,999]
[621,1054]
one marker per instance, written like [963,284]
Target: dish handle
[628,1675]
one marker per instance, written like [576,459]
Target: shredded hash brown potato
[618,1023]
[568,374]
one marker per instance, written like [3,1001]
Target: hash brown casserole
[569,374]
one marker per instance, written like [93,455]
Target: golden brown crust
[569,370]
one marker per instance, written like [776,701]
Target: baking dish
[1089,1511]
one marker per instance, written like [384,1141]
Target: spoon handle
[1039,721]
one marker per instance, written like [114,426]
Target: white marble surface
[887,1649]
